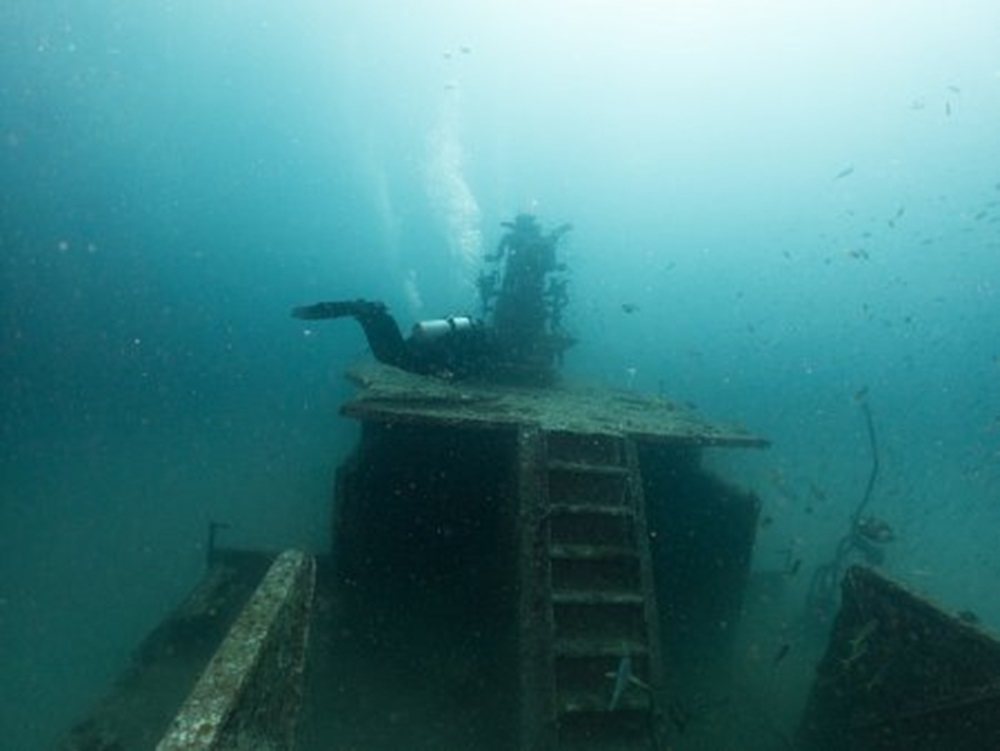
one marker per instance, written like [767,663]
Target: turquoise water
[795,205]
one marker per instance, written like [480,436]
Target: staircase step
[593,449]
[585,597]
[590,585]
[586,648]
[583,552]
[590,509]
[597,700]
[617,470]
[606,731]
[610,574]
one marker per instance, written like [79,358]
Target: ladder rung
[572,702]
[592,469]
[589,597]
[599,648]
[584,552]
[591,509]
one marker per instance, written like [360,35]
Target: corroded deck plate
[392,395]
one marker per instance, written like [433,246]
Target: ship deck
[387,394]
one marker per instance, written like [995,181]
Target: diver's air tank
[427,331]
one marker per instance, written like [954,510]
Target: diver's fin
[338,309]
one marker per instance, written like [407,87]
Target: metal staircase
[590,648]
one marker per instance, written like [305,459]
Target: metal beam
[251,691]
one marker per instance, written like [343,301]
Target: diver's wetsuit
[465,353]
[380,328]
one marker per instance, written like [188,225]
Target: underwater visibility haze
[785,214]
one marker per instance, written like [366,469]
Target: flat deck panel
[388,394]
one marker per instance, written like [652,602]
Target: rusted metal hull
[900,673]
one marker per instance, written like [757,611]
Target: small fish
[858,644]
[954,90]
[860,394]
[947,109]
[848,170]
[630,307]
[783,651]
[624,677]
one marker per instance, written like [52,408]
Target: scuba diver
[456,346]
[532,254]
[527,315]
[523,341]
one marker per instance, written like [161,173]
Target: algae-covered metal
[251,691]
[392,395]
[901,673]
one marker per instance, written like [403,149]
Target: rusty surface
[901,672]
